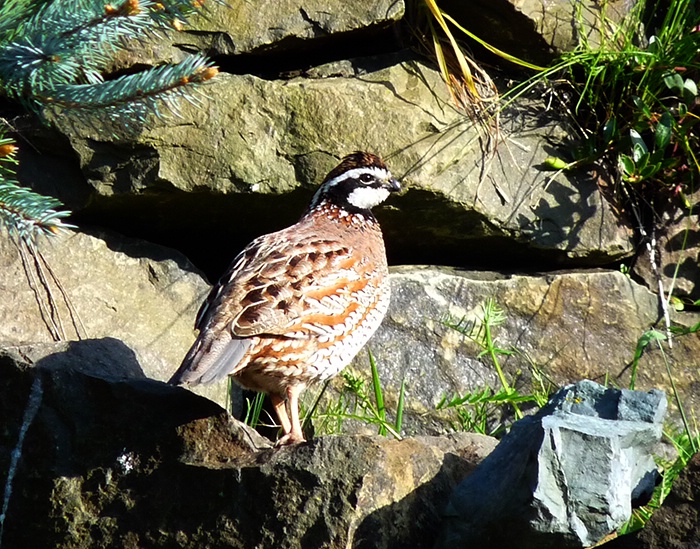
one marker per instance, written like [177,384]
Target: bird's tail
[210,360]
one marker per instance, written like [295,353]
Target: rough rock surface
[246,27]
[676,525]
[136,463]
[129,462]
[246,161]
[259,30]
[569,325]
[102,285]
[677,251]
[565,477]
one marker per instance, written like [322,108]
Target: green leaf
[690,91]
[642,343]
[639,147]
[554,163]
[674,82]
[653,45]
[649,171]
[641,105]
[610,130]
[400,406]
[686,204]
[627,164]
[378,395]
[664,130]
[641,158]
[659,157]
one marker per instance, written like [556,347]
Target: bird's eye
[366,178]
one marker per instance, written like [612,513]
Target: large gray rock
[570,324]
[269,28]
[565,477]
[534,30]
[253,151]
[136,463]
[254,27]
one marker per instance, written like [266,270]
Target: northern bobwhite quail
[297,305]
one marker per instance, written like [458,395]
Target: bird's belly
[277,362]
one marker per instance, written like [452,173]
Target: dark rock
[565,477]
[537,29]
[676,525]
[95,357]
[87,431]
[136,463]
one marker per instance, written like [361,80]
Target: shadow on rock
[95,418]
[112,459]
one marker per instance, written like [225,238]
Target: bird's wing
[278,285]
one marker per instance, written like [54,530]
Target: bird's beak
[393,185]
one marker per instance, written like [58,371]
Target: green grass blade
[459,55]
[378,395]
[400,406]
[493,49]
[253,410]
[642,343]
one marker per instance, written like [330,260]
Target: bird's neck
[342,215]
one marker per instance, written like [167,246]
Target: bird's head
[360,182]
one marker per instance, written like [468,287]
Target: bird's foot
[289,439]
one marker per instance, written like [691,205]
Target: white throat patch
[366,198]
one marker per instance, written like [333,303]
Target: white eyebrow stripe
[379,173]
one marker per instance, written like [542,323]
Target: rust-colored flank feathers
[297,305]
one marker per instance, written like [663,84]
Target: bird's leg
[294,435]
[279,405]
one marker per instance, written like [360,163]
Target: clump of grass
[357,401]
[687,446]
[686,441]
[254,408]
[634,97]
[360,403]
[469,84]
[475,410]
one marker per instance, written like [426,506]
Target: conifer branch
[130,97]
[13,14]
[53,54]
[58,55]
[24,213]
